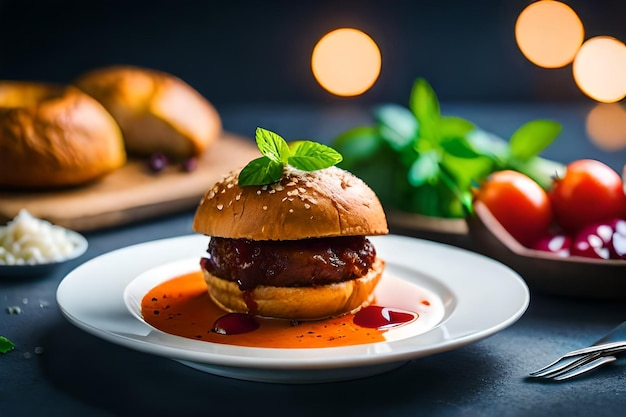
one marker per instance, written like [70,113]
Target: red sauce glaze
[182,306]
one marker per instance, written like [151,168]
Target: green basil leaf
[357,144]
[466,171]
[424,170]
[488,144]
[396,124]
[453,126]
[5,345]
[459,147]
[272,145]
[532,138]
[424,104]
[310,156]
[260,171]
[453,195]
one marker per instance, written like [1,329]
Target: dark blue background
[259,51]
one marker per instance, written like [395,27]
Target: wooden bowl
[544,272]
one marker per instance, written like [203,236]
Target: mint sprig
[277,153]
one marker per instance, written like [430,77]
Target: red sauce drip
[235,323]
[378,317]
[250,303]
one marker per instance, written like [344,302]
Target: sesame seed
[238,196]
[220,206]
[258,192]
[307,206]
[264,207]
[290,210]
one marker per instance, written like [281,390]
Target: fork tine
[566,366]
[540,371]
[596,363]
[614,346]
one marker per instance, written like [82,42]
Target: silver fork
[584,360]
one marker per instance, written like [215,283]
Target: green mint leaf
[305,155]
[261,171]
[5,345]
[272,145]
[311,156]
[532,138]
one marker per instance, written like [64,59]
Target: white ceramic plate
[474,296]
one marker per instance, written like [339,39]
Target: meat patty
[289,263]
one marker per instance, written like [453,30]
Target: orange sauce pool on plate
[182,306]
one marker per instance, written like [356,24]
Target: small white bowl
[40,269]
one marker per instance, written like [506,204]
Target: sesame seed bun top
[322,203]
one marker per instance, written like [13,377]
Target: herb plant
[420,161]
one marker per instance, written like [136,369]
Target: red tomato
[520,205]
[589,192]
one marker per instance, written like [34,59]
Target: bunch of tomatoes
[582,214]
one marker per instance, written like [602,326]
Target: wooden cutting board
[132,192]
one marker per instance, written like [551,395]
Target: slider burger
[289,235]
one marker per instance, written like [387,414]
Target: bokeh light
[600,69]
[549,33]
[606,126]
[346,62]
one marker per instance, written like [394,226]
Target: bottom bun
[298,303]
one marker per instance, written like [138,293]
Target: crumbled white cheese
[27,240]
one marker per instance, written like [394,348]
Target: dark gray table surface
[59,370]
